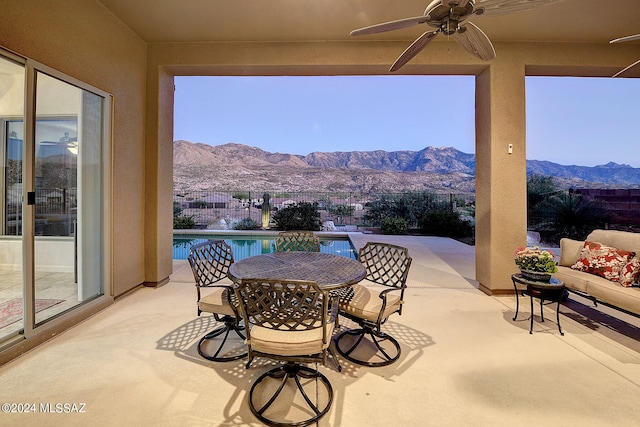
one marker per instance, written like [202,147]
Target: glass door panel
[68,197]
[12,88]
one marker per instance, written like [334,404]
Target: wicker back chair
[290,321]
[303,241]
[209,263]
[370,306]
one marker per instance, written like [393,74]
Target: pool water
[247,246]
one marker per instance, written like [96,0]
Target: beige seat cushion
[216,302]
[574,279]
[617,239]
[366,303]
[290,343]
[570,251]
[613,293]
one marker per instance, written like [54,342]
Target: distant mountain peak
[235,166]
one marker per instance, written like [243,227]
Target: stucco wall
[84,40]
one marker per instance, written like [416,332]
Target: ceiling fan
[447,17]
[626,39]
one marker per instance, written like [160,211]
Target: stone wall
[624,204]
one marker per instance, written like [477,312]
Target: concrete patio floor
[464,361]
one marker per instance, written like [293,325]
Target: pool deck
[464,361]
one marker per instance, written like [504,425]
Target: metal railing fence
[221,209]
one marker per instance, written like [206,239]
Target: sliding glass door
[12,97]
[53,241]
[68,196]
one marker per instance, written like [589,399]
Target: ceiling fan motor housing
[447,15]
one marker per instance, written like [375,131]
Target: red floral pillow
[603,261]
[630,273]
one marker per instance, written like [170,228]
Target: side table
[551,291]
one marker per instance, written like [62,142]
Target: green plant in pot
[535,264]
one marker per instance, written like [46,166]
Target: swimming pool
[245,246]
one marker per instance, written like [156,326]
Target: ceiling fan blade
[626,39]
[390,26]
[619,73]
[475,41]
[415,48]
[500,7]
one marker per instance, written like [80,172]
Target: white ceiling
[590,21]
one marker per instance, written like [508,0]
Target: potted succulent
[535,264]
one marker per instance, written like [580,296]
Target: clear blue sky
[582,121]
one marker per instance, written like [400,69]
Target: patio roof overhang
[564,21]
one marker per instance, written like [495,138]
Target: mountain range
[237,167]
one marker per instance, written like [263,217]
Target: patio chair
[290,321]
[209,263]
[370,306]
[303,241]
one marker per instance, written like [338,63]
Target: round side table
[552,291]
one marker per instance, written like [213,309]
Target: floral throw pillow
[630,273]
[603,261]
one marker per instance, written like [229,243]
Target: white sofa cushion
[569,251]
[576,280]
[616,295]
[617,239]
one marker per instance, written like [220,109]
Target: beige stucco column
[158,224]
[501,212]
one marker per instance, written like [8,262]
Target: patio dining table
[330,271]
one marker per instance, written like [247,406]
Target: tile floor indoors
[49,285]
[464,361]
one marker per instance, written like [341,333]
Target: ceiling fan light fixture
[449,27]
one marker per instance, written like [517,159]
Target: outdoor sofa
[603,257]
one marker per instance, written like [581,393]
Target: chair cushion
[290,343]
[216,302]
[365,303]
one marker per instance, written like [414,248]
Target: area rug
[11,310]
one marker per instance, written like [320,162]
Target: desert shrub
[408,206]
[342,210]
[539,188]
[302,216]
[183,222]
[394,226]
[569,215]
[246,224]
[445,222]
